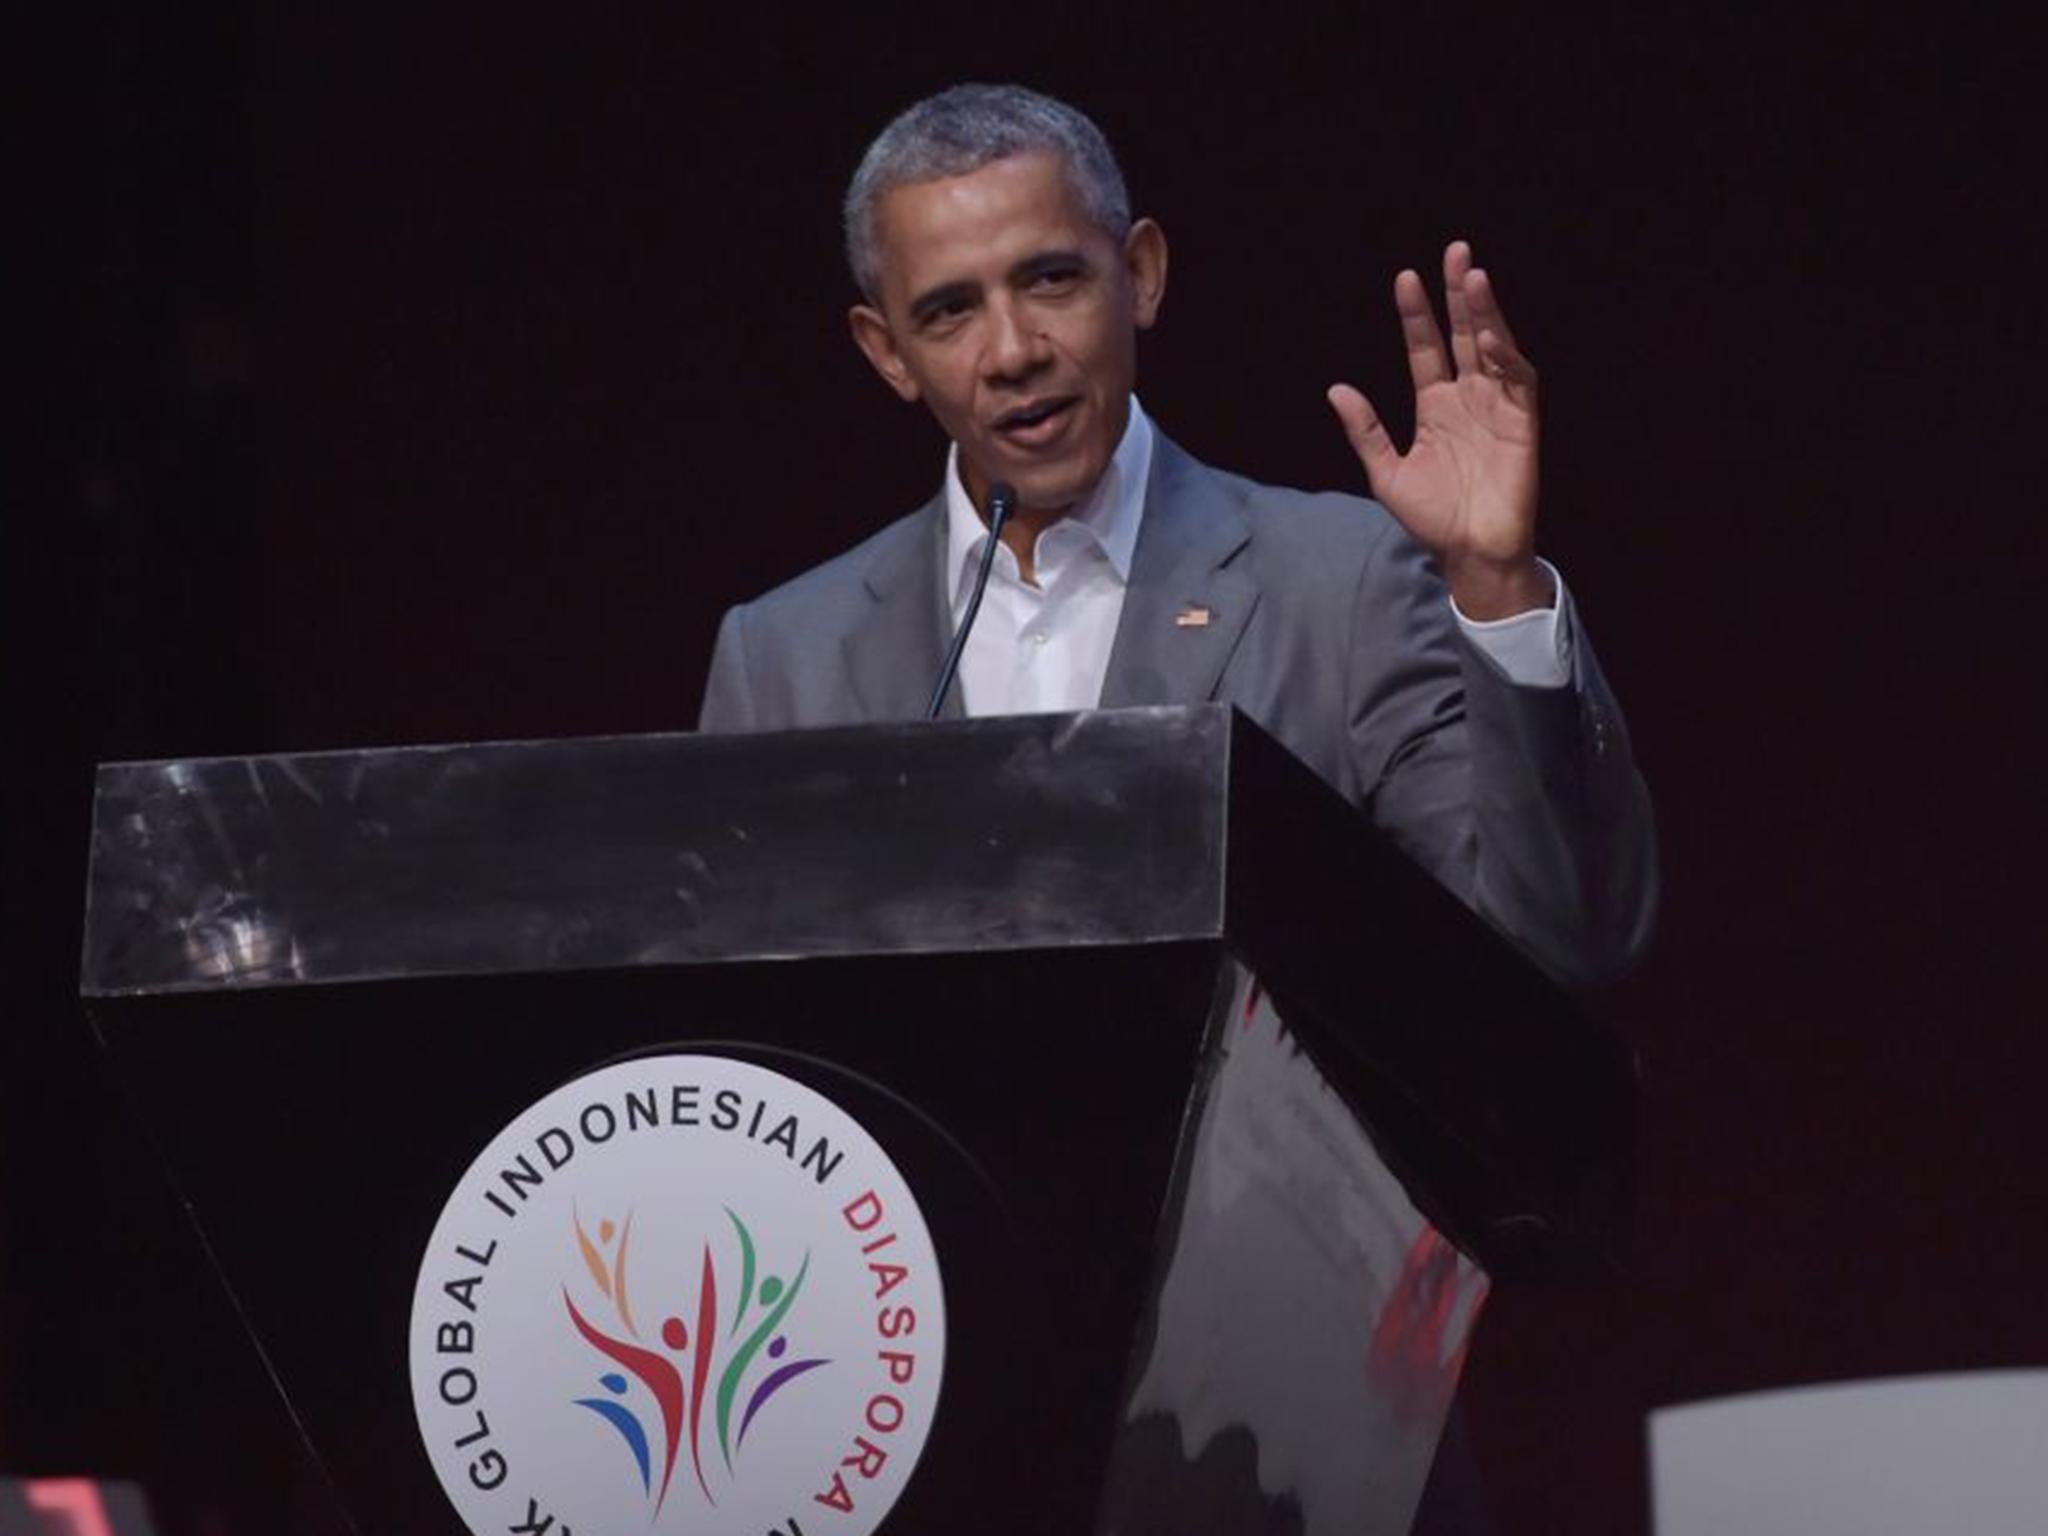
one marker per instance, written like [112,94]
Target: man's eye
[1055,279]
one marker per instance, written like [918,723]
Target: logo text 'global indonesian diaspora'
[682,1293]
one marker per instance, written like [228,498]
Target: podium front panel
[1216,1110]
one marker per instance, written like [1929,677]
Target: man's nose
[1017,346]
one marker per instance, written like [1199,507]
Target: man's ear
[1145,267]
[877,343]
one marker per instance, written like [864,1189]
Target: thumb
[1368,435]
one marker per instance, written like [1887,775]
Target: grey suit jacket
[1328,625]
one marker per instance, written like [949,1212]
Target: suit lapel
[893,658]
[1185,608]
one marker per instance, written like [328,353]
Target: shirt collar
[1109,513]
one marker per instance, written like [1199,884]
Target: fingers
[1483,303]
[1464,339]
[1368,435]
[1473,307]
[1428,363]
[1488,343]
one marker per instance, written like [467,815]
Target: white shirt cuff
[1533,649]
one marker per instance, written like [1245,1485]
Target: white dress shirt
[1045,647]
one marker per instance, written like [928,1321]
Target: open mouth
[1038,421]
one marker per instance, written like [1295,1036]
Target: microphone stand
[1002,497]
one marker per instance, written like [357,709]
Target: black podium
[1219,1114]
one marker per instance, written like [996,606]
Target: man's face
[1012,315]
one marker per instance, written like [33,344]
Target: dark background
[444,377]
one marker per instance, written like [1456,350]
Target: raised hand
[1466,487]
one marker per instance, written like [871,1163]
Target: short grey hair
[965,128]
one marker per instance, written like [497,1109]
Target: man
[1414,652]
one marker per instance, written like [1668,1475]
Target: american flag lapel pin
[1193,616]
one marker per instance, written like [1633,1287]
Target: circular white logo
[683,1293]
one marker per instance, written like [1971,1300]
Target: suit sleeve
[728,699]
[1524,801]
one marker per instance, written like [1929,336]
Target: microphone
[1002,501]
